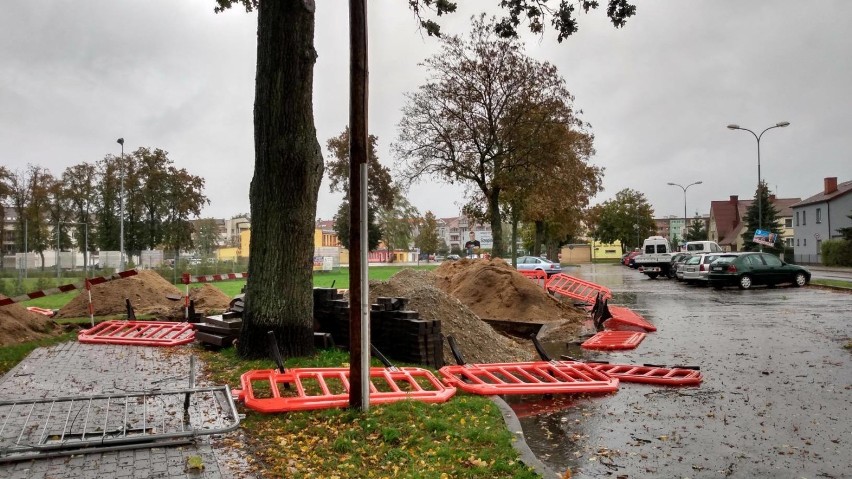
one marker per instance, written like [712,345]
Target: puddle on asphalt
[776,400]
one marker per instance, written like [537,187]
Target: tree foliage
[206,237]
[398,223]
[627,218]
[847,231]
[768,219]
[381,190]
[473,120]
[697,230]
[427,240]
[341,227]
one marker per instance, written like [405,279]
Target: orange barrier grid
[576,288]
[631,373]
[625,318]
[535,275]
[139,333]
[269,391]
[538,377]
[614,340]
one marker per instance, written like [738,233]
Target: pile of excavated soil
[494,290]
[147,292]
[478,341]
[18,325]
[208,300]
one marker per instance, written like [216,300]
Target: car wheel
[745,281]
[800,279]
[652,275]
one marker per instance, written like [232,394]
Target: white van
[697,247]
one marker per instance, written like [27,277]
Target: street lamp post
[121,203]
[757,137]
[684,188]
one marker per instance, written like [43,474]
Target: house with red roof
[727,220]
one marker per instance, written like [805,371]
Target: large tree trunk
[287,174]
[496,226]
[538,238]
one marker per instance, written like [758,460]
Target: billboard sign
[765,238]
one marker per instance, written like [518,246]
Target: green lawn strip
[462,438]
[14,353]
[834,283]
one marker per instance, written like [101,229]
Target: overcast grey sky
[75,76]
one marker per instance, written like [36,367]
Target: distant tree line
[159,200]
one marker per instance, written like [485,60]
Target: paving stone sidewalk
[73,368]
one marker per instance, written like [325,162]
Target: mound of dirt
[478,341]
[494,290]
[147,292]
[208,300]
[18,325]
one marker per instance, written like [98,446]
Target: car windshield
[725,259]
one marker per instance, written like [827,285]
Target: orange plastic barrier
[650,374]
[536,275]
[46,312]
[576,288]
[268,391]
[139,333]
[539,377]
[611,340]
[625,318]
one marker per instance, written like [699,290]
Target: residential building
[727,220]
[818,218]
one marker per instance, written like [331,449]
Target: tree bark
[287,174]
[496,226]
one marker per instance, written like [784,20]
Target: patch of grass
[15,353]
[463,438]
[56,301]
[834,283]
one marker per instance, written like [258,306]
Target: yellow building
[606,251]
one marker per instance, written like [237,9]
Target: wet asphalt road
[776,400]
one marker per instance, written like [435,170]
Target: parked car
[678,261]
[453,257]
[748,269]
[697,268]
[629,259]
[531,263]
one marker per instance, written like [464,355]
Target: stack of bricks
[397,332]
[219,330]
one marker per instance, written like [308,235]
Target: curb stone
[519,442]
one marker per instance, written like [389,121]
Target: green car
[748,269]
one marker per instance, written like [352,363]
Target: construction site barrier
[663,376]
[623,319]
[538,377]
[576,288]
[67,287]
[211,278]
[536,275]
[204,278]
[139,333]
[43,311]
[303,389]
[612,340]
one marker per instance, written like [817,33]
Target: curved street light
[780,124]
[684,188]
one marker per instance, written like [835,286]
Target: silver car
[531,263]
[697,268]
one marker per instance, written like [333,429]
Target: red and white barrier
[67,287]
[205,278]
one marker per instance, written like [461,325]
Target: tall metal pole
[757,137]
[359,319]
[121,203]
[58,233]
[683,234]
